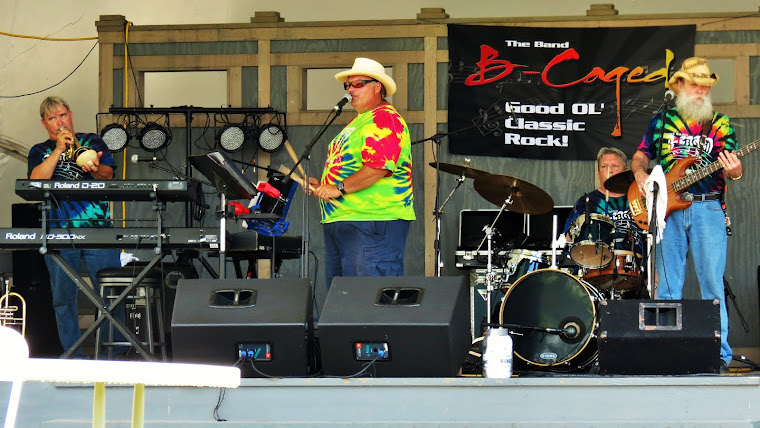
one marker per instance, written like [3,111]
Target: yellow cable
[49,39]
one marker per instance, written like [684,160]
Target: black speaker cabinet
[659,337]
[32,281]
[267,322]
[405,326]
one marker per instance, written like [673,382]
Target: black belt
[705,197]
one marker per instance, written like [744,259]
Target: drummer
[627,237]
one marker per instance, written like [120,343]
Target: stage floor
[557,400]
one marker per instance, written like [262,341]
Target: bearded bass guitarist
[693,130]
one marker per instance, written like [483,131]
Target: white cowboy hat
[694,70]
[370,68]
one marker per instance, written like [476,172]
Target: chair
[147,296]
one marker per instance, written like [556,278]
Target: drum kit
[550,309]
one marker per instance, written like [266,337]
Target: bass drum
[552,299]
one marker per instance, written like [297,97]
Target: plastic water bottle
[497,354]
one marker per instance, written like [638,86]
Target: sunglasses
[357,83]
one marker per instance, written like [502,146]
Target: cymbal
[458,169]
[526,198]
[621,182]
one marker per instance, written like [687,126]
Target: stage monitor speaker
[265,322]
[405,326]
[32,281]
[659,337]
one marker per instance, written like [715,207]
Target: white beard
[692,109]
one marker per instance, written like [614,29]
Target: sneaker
[724,367]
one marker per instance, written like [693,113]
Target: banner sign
[558,93]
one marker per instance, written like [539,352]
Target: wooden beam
[235,86]
[264,266]
[431,127]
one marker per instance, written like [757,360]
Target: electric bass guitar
[677,181]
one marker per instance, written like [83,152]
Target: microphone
[269,190]
[669,95]
[346,98]
[570,331]
[136,159]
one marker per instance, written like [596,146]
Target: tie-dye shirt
[616,208]
[683,139]
[378,138]
[72,214]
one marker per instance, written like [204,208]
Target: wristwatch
[339,185]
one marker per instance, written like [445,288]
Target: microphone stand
[305,156]
[730,294]
[652,237]
[438,207]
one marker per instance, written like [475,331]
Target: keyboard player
[55,159]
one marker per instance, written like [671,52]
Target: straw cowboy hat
[371,68]
[694,70]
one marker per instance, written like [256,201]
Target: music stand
[230,183]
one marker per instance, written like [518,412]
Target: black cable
[53,86]
[219,401]
[266,375]
[206,127]
[745,360]
[134,75]
[314,284]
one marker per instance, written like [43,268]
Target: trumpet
[76,153]
[9,314]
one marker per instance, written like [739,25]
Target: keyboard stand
[105,311]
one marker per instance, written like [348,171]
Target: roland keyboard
[108,190]
[111,237]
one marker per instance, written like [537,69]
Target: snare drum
[627,277]
[521,262]
[552,299]
[592,241]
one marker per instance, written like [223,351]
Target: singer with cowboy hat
[368,172]
[693,129]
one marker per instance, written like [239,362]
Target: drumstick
[293,156]
[305,184]
[607,192]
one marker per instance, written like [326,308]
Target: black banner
[557,93]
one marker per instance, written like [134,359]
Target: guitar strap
[706,126]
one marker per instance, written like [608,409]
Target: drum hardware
[489,272]
[592,237]
[565,339]
[622,274]
[462,171]
[522,262]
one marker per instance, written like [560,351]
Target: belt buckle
[687,197]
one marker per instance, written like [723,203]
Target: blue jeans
[65,292]
[365,248]
[701,230]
